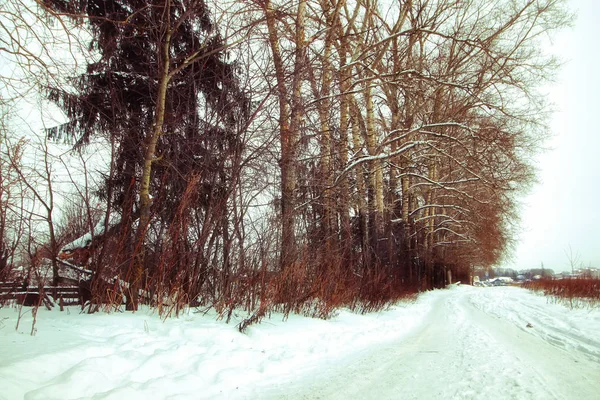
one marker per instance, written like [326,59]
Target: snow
[460,343]
[574,330]
[85,240]
[124,355]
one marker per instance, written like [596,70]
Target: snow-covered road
[461,343]
[474,344]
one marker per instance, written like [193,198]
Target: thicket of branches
[304,155]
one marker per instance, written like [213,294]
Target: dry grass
[319,291]
[571,292]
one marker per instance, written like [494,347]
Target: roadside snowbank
[138,356]
[573,330]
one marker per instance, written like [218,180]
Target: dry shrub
[318,288]
[382,287]
[572,292]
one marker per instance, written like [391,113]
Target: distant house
[80,250]
[591,273]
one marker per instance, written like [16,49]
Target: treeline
[301,155]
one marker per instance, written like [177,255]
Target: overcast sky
[564,209]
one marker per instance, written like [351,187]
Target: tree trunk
[135,276]
[376,172]
[289,122]
[342,148]
[361,189]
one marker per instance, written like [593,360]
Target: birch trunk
[376,170]
[136,275]
[361,187]
[342,146]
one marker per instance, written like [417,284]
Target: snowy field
[462,343]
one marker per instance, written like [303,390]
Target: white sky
[563,210]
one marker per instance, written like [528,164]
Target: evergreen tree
[164,94]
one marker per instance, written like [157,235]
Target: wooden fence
[16,293]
